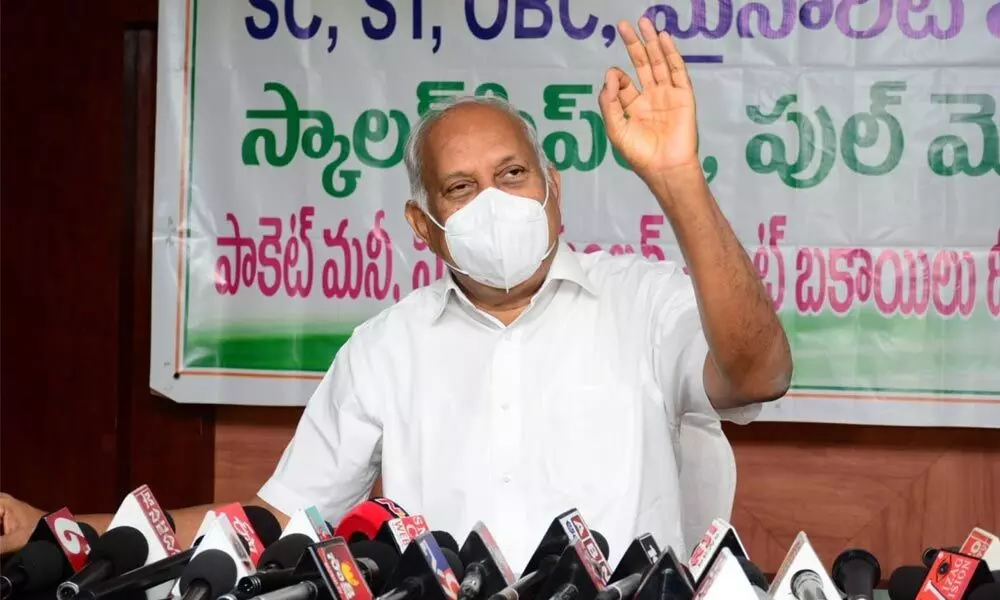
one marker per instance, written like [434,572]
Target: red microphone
[364,520]
[954,576]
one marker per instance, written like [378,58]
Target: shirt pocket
[590,444]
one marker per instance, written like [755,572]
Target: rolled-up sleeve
[333,459]
[679,348]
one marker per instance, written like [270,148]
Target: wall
[894,491]
[78,425]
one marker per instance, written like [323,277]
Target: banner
[853,144]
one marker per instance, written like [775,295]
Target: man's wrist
[678,184]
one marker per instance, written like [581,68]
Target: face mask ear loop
[427,212]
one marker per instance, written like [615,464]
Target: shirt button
[506,479]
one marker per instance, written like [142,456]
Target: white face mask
[498,239]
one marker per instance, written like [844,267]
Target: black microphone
[753,573]
[641,554]
[856,572]
[208,576]
[906,581]
[118,551]
[377,561]
[277,567]
[930,554]
[529,583]
[486,569]
[37,566]
[421,583]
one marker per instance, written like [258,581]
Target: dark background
[78,425]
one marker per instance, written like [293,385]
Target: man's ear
[418,220]
[556,184]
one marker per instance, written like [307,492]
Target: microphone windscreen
[753,573]
[363,520]
[213,567]
[905,582]
[445,540]
[125,547]
[264,524]
[285,552]
[384,557]
[89,532]
[42,562]
[602,542]
[454,562]
[988,591]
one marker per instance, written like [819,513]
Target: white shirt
[575,404]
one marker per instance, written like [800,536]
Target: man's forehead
[475,130]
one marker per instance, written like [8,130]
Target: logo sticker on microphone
[69,536]
[439,565]
[339,570]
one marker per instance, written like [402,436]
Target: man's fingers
[627,92]
[637,52]
[675,62]
[657,60]
[610,101]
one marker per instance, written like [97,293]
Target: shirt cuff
[698,397]
[282,497]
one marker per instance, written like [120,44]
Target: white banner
[853,144]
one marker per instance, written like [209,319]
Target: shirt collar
[565,267]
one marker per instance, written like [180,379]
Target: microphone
[277,567]
[364,520]
[983,544]
[377,561]
[285,553]
[530,582]
[565,529]
[399,532]
[208,576]
[720,534]
[640,555]
[802,557]
[665,579]
[486,569]
[74,539]
[426,572]
[954,576]
[117,551]
[856,572]
[38,565]
[808,585]
[575,576]
[906,581]
[727,579]
[930,554]
[221,536]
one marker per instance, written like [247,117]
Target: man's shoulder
[413,312]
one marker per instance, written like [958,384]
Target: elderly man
[533,379]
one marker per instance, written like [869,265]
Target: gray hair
[413,158]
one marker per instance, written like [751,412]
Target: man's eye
[458,188]
[515,172]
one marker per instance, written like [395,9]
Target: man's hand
[654,128]
[17,522]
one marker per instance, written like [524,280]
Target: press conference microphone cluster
[967,572]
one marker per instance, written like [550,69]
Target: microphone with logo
[729,578]
[43,563]
[263,524]
[486,569]
[640,556]
[364,521]
[426,572]
[74,539]
[374,560]
[802,576]
[221,558]
[277,567]
[564,530]
[577,575]
[954,576]
[140,532]
[720,534]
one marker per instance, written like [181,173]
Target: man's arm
[186,520]
[18,519]
[749,359]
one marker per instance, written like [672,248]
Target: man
[534,379]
